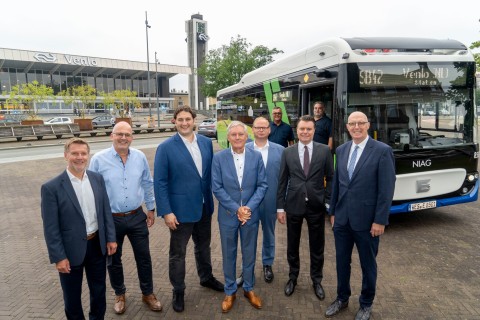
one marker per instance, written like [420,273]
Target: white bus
[417,93]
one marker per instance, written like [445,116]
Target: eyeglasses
[274,113]
[359,124]
[261,128]
[126,135]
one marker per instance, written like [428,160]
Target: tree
[83,96]
[118,98]
[27,94]
[476,56]
[225,66]
[476,45]
[128,98]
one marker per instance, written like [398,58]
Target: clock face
[200,27]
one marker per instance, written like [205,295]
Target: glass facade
[60,80]
[104,76]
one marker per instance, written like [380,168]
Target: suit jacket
[272,170]
[294,186]
[179,188]
[368,196]
[63,222]
[230,195]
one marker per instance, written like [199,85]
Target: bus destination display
[413,75]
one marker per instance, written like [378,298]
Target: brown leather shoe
[119,305]
[152,302]
[253,299]
[227,303]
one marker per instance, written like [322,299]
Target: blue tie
[351,165]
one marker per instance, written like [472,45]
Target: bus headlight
[471,177]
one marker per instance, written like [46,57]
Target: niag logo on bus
[421,163]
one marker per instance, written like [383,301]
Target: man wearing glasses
[280,132]
[363,187]
[129,185]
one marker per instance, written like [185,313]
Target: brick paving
[428,266]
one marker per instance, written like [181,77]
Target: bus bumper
[470,197]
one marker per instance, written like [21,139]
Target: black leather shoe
[319,292]
[178,303]
[213,283]
[267,273]
[335,308]
[239,280]
[290,287]
[363,313]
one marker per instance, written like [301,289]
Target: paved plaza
[429,265]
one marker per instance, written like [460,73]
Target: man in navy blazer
[271,155]
[239,184]
[79,230]
[183,192]
[363,188]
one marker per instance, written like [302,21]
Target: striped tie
[351,165]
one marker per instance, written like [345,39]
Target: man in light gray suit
[239,184]
[271,155]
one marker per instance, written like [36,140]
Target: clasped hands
[244,214]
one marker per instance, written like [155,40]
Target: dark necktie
[306,161]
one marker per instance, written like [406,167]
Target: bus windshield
[414,105]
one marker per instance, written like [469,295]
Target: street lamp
[156,90]
[147,26]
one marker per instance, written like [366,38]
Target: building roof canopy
[60,62]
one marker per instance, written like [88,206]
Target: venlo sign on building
[75,60]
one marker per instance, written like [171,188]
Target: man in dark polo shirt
[280,132]
[323,125]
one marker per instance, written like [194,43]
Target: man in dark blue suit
[239,184]
[363,188]
[79,230]
[183,192]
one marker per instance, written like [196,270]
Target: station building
[63,70]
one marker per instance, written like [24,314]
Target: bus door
[310,94]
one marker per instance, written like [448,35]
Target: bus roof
[404,43]
[335,51]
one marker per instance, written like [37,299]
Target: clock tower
[197,40]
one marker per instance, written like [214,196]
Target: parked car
[104,121]
[208,128]
[59,120]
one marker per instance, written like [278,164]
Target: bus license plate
[423,205]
